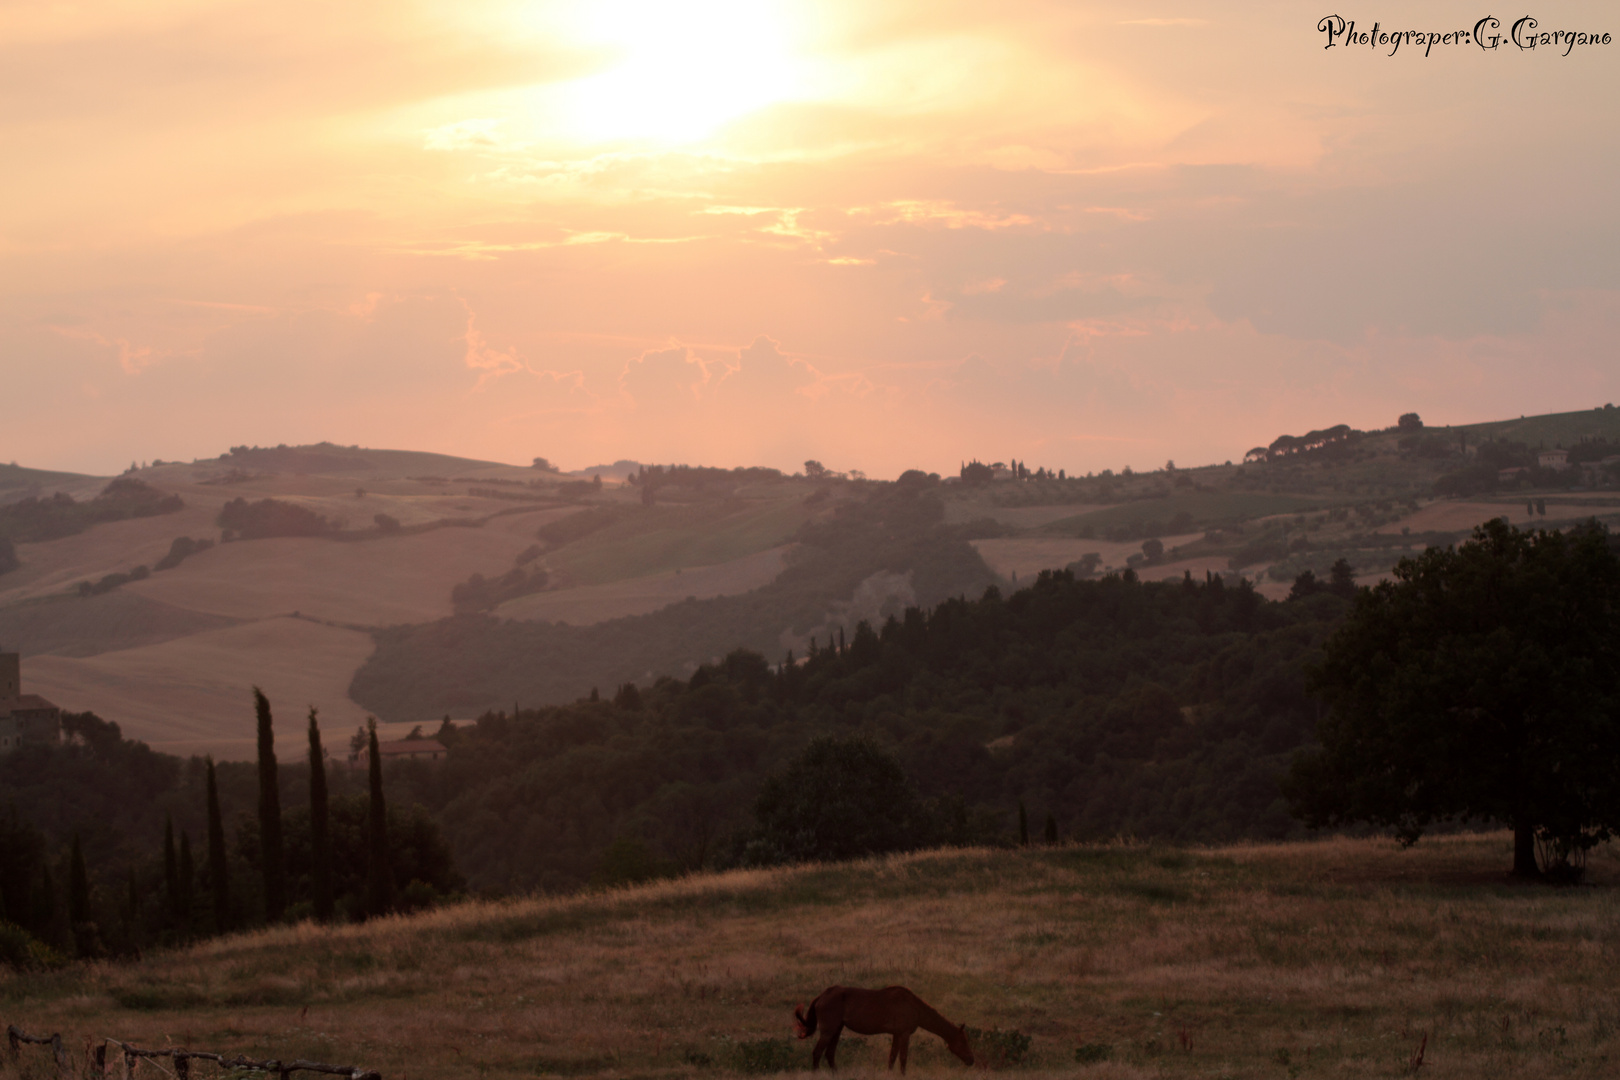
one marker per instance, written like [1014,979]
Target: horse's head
[958,1043]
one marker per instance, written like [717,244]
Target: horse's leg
[832,1048]
[894,1049]
[903,1041]
[823,1044]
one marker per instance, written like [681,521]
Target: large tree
[1483,682]
[839,799]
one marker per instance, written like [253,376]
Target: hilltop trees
[1483,682]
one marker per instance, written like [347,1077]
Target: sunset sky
[726,232]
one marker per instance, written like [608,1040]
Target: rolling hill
[607,586]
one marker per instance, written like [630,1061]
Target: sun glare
[679,71]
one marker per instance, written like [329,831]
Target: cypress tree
[1023,825]
[1051,828]
[218,873]
[275,871]
[320,840]
[379,879]
[78,885]
[188,874]
[171,867]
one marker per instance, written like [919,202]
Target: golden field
[1334,958]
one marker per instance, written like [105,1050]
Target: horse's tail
[804,1023]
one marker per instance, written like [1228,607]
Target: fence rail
[102,1056]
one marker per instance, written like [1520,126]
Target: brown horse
[894,1010]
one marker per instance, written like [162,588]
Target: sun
[678,71]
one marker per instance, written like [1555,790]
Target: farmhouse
[24,718]
[1553,459]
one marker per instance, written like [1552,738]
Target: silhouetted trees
[839,799]
[272,862]
[320,840]
[219,878]
[379,878]
[1482,682]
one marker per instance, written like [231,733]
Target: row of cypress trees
[379,878]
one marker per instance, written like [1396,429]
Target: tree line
[72,884]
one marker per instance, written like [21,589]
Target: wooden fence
[103,1058]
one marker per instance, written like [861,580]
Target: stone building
[24,718]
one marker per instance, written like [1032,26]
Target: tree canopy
[1483,682]
[839,799]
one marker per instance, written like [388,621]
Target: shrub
[25,952]
[768,1056]
[997,1048]
[1092,1053]
[183,548]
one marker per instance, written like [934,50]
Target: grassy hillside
[1334,959]
[1553,429]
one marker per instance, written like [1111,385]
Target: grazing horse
[894,1010]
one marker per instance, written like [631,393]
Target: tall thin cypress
[270,855]
[379,878]
[219,882]
[320,840]
[1051,828]
[1023,825]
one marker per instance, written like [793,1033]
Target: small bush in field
[768,1056]
[997,1048]
[1092,1053]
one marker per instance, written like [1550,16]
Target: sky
[738,232]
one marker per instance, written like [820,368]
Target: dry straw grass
[1326,959]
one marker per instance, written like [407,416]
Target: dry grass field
[191,695]
[1446,515]
[1334,959]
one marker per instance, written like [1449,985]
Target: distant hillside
[1552,429]
[876,553]
[406,532]
[328,458]
[14,477]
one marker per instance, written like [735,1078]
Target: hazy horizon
[1083,236]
